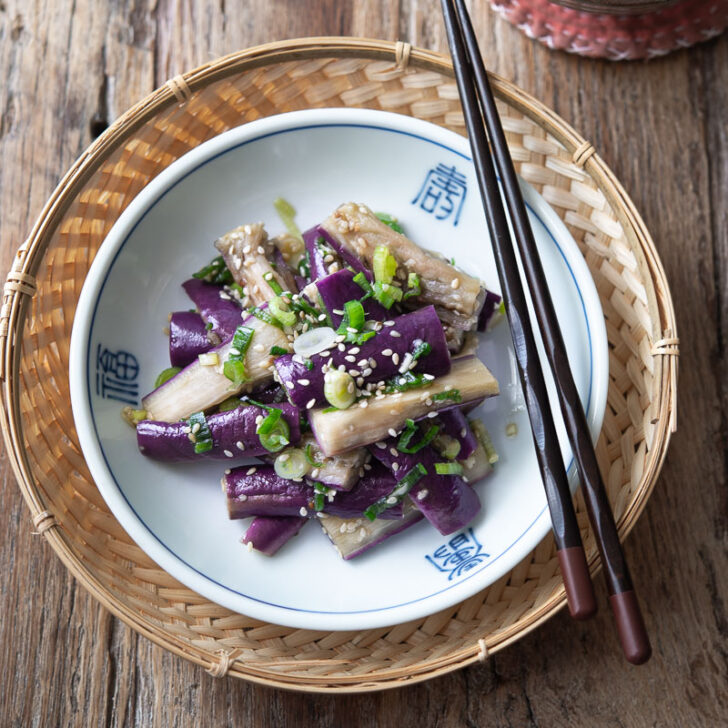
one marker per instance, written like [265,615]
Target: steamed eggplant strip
[187,338]
[268,534]
[247,253]
[197,387]
[352,537]
[216,307]
[358,230]
[342,430]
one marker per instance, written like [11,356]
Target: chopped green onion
[287,213]
[291,464]
[165,375]
[326,410]
[452,261]
[413,286]
[400,491]
[304,266]
[208,326]
[309,457]
[309,364]
[254,403]
[134,416]
[280,311]
[228,404]
[354,311]
[273,283]
[390,222]
[452,394]
[234,366]
[273,431]
[406,381]
[484,438]
[384,264]
[208,359]
[339,389]
[422,349]
[301,304]
[361,280]
[237,288]
[264,315]
[321,493]
[448,468]
[447,446]
[277,351]
[200,432]
[404,441]
[215,272]
[387,294]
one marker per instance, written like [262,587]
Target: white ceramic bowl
[176,513]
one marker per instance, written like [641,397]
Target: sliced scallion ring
[291,464]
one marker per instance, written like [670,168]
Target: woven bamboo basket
[44,284]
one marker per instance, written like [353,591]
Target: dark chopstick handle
[577,582]
[631,627]
[582,602]
[623,601]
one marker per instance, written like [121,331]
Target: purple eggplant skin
[224,314]
[486,313]
[169,441]
[187,338]
[446,501]
[422,325]
[319,268]
[268,533]
[338,288]
[455,425]
[284,271]
[259,491]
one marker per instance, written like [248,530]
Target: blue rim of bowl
[594,410]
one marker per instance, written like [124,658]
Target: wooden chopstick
[630,625]
[579,588]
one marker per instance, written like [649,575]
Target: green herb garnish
[215,272]
[413,286]
[277,351]
[234,366]
[400,491]
[386,293]
[390,222]
[448,468]
[452,395]
[422,349]
[200,432]
[165,375]
[273,431]
[406,437]
[264,315]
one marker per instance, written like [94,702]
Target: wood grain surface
[68,67]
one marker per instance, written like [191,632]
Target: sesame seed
[249,546]
[251,471]
[268,276]
[392,432]
[350,388]
[387,352]
[428,401]
[350,358]
[428,377]
[395,358]
[196,428]
[315,472]
[303,511]
[323,354]
[351,330]
[395,334]
[259,347]
[246,249]
[328,258]
[354,372]
[290,385]
[372,362]
[311,403]
[389,323]
[391,500]
[463,432]
[261,250]
[381,445]
[455,283]
[322,317]
[393,452]
[228,454]
[422,495]
[234,352]
[362,362]
[337,311]
[367,372]
[367,466]
[303,382]
[283,457]
[240,445]
[258,419]
[363,403]
[360,382]
[354,350]
[224,296]
[432,414]
[341,347]
[395,467]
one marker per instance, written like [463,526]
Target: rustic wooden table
[68,67]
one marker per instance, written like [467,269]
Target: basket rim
[31,252]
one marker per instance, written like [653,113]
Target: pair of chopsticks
[480,113]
